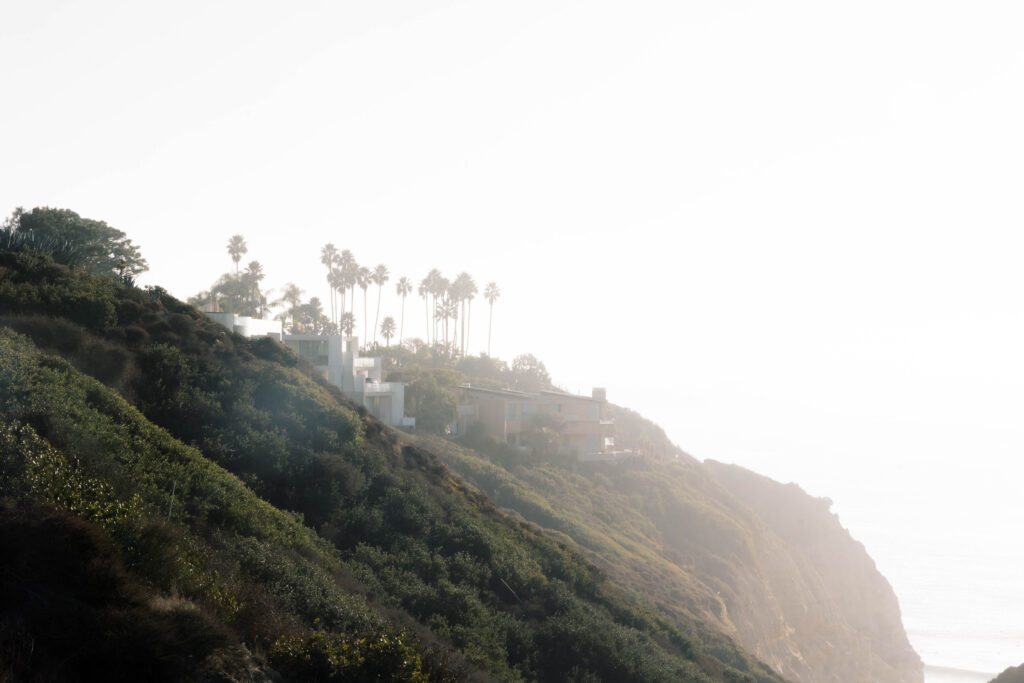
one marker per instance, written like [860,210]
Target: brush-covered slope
[206,505]
[714,545]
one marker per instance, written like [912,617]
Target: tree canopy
[529,373]
[93,245]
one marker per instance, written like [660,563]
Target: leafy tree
[236,248]
[429,396]
[529,373]
[92,245]
[309,318]
[485,371]
[491,293]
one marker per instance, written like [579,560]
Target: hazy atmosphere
[789,233]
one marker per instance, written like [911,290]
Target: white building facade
[337,358]
[360,379]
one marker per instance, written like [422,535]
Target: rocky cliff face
[720,550]
[1015,674]
[814,607]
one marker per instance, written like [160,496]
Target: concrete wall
[337,358]
[248,327]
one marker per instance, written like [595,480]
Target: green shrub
[329,657]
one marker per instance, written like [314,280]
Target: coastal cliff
[715,545]
[220,482]
[821,590]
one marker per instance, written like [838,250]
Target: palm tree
[237,247]
[448,309]
[387,330]
[348,323]
[463,289]
[252,277]
[439,289]
[471,291]
[293,297]
[346,275]
[328,255]
[424,291]
[380,276]
[491,293]
[336,279]
[363,276]
[402,289]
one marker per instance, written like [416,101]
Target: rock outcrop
[815,608]
[1015,674]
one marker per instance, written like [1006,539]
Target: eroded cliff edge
[716,548]
[820,589]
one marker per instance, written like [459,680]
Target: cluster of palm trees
[237,292]
[448,303]
[445,301]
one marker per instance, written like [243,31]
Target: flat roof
[527,396]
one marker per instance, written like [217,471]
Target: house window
[513,411]
[593,412]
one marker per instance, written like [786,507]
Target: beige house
[508,415]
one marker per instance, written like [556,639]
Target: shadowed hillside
[257,522]
[714,547]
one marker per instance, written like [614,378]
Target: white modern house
[360,379]
[337,358]
[248,327]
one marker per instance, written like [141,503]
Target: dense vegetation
[168,450]
[715,548]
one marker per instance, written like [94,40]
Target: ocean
[959,588]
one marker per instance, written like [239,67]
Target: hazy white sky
[788,232]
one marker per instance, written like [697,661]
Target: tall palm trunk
[490,319]
[376,316]
[462,335]
[341,310]
[401,325]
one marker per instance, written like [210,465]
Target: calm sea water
[959,586]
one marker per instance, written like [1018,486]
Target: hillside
[712,545]
[183,504]
[1014,674]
